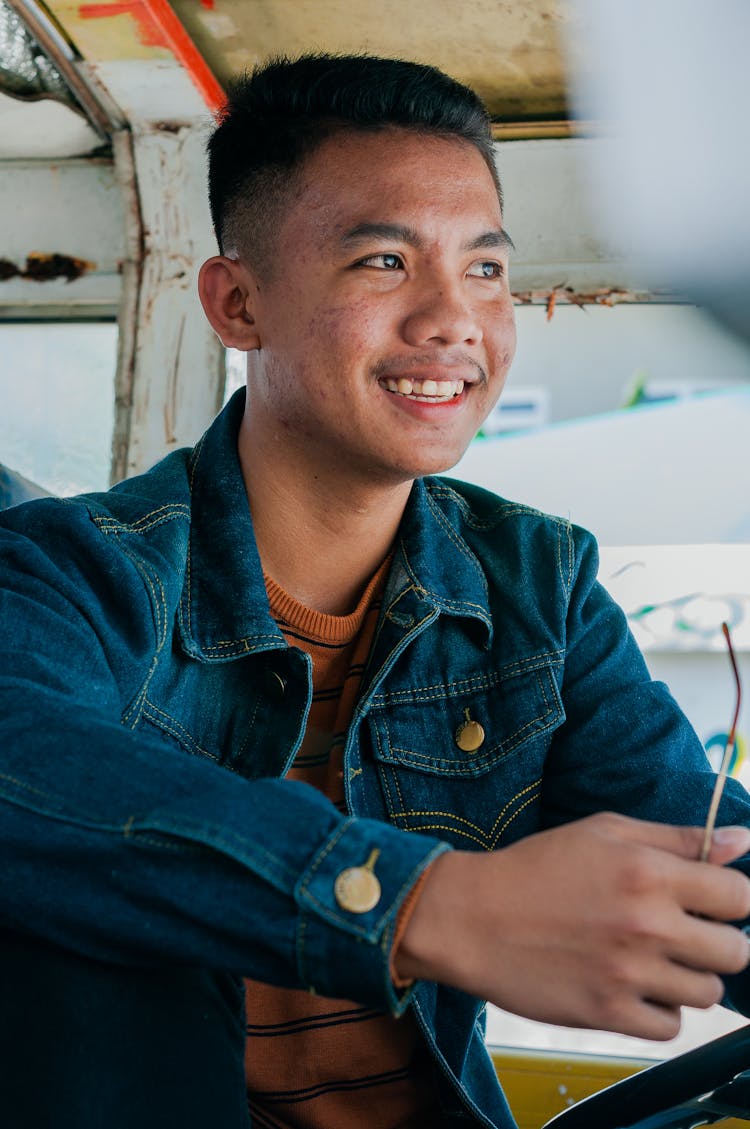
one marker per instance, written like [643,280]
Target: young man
[252,699]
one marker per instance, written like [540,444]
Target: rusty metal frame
[127,319]
[103,115]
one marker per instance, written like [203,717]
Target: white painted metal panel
[549,214]
[70,208]
[44,128]
[171,366]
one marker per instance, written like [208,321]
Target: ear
[226,291]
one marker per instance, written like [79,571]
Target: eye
[486,268]
[386,260]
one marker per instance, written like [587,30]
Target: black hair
[277,115]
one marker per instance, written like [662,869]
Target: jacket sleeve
[124,848]
[625,744]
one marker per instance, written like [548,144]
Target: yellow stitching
[535,784]
[160,602]
[456,831]
[459,543]
[399,596]
[488,841]
[134,709]
[26,787]
[144,522]
[502,748]
[436,696]
[444,601]
[558,555]
[397,783]
[542,690]
[244,641]
[412,631]
[178,730]
[504,508]
[460,819]
[161,625]
[541,661]
[515,814]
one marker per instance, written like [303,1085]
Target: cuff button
[357,889]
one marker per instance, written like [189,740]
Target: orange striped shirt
[313,1062]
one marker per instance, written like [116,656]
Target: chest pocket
[476,798]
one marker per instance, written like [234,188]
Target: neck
[320,534]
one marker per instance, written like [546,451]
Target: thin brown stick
[726,759]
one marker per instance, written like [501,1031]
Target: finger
[658,1022]
[709,891]
[728,843]
[673,985]
[709,945]
[645,1019]
[652,1009]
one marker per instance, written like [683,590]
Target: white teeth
[424,389]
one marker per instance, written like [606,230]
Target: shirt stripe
[312,1062]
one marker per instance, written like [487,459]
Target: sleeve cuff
[350,900]
[402,920]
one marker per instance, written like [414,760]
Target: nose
[442,313]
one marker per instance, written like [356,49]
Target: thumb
[728,843]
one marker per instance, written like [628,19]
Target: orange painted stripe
[159,26]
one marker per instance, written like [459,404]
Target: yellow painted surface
[540,1084]
[510,52]
[101,36]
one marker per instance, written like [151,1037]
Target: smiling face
[385,324]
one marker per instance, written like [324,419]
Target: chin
[424,467]
[442,461]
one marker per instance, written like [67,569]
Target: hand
[606,923]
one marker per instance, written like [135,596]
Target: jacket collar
[433,560]
[224,609]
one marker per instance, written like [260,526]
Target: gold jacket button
[357,889]
[469,735]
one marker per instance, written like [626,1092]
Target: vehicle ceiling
[512,53]
[509,52]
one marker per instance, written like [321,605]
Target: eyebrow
[496,238]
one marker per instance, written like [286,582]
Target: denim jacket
[149,708]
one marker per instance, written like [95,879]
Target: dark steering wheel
[701,1087]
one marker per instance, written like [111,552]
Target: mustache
[463,364]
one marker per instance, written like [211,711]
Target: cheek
[347,329]
[504,339]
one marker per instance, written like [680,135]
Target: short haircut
[276,116]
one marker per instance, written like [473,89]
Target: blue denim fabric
[149,707]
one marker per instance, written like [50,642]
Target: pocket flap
[420,728]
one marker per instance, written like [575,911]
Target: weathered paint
[510,52]
[170,377]
[69,212]
[157,26]
[147,29]
[568,295]
[44,266]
